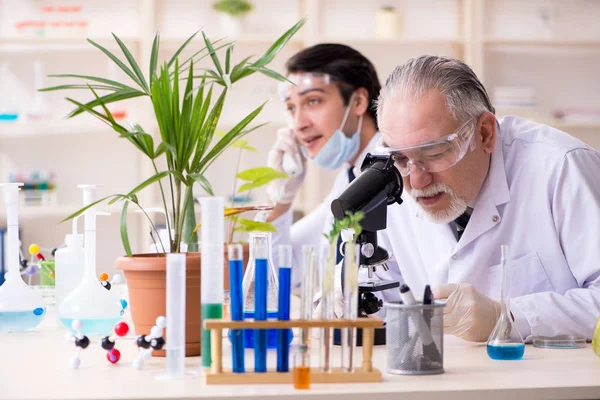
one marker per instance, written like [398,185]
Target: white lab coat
[541,198]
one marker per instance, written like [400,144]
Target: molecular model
[81,342]
[108,342]
[114,281]
[147,343]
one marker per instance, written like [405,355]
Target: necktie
[339,256]
[462,221]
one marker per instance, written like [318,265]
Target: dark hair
[348,68]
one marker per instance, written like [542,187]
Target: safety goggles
[433,156]
[303,82]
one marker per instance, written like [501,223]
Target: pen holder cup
[415,339]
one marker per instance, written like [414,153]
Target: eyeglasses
[433,156]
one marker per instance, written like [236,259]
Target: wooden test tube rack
[365,373]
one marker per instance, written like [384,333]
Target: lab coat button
[495,218]
[455,257]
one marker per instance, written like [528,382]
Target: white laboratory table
[35,365]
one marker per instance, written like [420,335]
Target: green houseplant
[232,14]
[187,119]
[235,8]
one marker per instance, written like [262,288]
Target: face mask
[339,148]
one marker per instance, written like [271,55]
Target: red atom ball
[121,329]
[113,356]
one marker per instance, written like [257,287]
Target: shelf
[249,39]
[27,45]
[28,128]
[556,123]
[399,41]
[63,211]
[270,124]
[59,128]
[545,43]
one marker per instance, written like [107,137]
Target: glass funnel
[505,342]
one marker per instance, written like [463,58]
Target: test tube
[327,282]
[308,274]
[176,313]
[261,252]
[212,274]
[283,313]
[351,257]
[236,257]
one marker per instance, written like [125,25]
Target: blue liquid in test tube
[237,305]
[283,313]
[260,314]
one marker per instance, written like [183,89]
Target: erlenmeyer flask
[505,342]
[8,110]
[257,239]
[21,308]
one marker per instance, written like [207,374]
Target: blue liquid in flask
[8,117]
[508,351]
[93,326]
[19,321]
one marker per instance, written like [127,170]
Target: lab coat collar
[494,192]
[497,174]
[368,149]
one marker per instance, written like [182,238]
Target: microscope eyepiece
[380,182]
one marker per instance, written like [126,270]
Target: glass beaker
[505,342]
[256,240]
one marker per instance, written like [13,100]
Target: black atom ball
[84,342]
[141,342]
[158,343]
[107,344]
[106,285]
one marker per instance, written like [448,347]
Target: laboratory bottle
[68,263]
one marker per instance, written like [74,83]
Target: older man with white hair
[473,183]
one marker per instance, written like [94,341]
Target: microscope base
[379,337]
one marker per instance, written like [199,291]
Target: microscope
[378,186]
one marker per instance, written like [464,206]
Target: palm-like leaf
[186,120]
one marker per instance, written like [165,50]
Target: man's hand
[285,156]
[468,314]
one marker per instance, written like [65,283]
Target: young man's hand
[285,156]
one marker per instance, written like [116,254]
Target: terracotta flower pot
[146,281]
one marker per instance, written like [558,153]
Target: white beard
[456,208]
